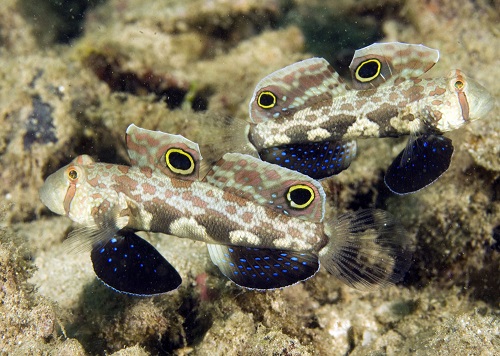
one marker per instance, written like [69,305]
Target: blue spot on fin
[423,161]
[129,264]
[263,268]
[316,159]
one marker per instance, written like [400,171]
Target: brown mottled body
[145,200]
[263,224]
[304,117]
[411,106]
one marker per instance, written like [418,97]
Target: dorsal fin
[379,63]
[287,191]
[174,155]
[293,88]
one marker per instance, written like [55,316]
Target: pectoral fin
[129,264]
[423,161]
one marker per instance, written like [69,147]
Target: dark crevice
[71,14]
[336,35]
[495,233]
[225,33]
[40,124]
[166,88]
[57,21]
[483,282]
[383,193]
[495,196]
[199,103]
[173,96]
[367,196]
[363,199]
[196,323]
[103,146]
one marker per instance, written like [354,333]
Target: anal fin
[318,160]
[423,161]
[129,264]
[263,268]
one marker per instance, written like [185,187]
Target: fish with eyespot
[306,118]
[264,225]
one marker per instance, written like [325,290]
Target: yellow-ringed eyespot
[179,161]
[368,70]
[266,100]
[300,196]
[459,85]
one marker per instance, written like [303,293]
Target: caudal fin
[367,249]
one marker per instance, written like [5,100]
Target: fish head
[480,102]
[469,101]
[62,187]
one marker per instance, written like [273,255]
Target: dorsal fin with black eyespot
[173,155]
[382,63]
[295,87]
[269,185]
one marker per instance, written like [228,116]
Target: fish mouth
[52,193]
[481,102]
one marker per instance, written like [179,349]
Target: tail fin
[367,249]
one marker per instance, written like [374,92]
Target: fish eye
[459,85]
[72,174]
[368,70]
[266,100]
[179,161]
[300,196]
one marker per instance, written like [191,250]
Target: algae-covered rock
[190,67]
[16,31]
[28,322]
[466,334]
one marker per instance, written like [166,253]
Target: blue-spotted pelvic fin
[262,268]
[317,160]
[131,265]
[294,87]
[382,63]
[174,155]
[278,188]
[423,161]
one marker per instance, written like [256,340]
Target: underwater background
[75,74]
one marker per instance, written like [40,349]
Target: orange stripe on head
[70,193]
[464,105]
[459,85]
